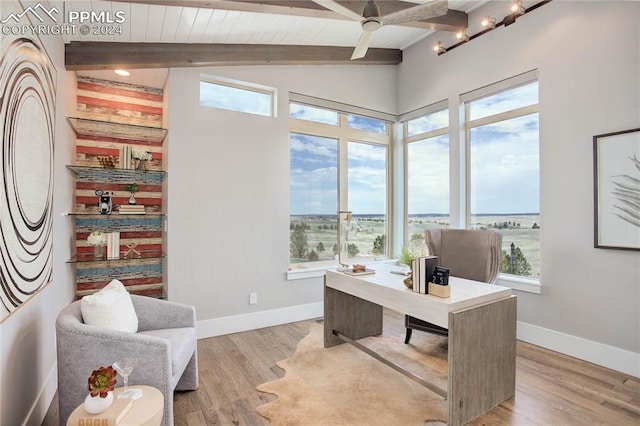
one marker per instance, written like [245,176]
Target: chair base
[412,323]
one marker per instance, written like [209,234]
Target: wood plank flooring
[551,389]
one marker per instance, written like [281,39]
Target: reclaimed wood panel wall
[130,104]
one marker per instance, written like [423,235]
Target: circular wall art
[27,85]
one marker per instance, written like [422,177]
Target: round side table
[145,411]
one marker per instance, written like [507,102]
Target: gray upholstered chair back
[468,253]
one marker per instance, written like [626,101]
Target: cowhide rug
[342,385]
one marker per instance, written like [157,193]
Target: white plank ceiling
[174,24]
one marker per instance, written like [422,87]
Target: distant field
[518,229]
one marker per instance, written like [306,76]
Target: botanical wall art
[617,189]
[27,114]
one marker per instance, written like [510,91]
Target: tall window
[338,161]
[504,170]
[427,152]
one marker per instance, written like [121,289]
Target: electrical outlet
[253,298]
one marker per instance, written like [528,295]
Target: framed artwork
[27,113]
[616,166]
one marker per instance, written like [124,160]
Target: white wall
[228,186]
[588,57]
[27,338]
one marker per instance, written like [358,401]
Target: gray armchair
[165,346]
[473,254]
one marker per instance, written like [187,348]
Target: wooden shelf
[108,129]
[114,214]
[115,173]
[144,254]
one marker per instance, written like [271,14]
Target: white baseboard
[237,323]
[41,404]
[621,360]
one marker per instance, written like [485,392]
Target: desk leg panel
[354,317]
[482,359]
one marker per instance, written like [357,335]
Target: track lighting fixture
[439,48]
[489,22]
[517,8]
[462,35]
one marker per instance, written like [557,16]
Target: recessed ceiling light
[123,73]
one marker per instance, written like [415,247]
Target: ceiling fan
[370,20]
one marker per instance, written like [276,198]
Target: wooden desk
[481,319]
[145,411]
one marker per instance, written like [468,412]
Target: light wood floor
[551,389]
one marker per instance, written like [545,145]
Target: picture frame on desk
[616,173]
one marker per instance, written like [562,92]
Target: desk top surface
[387,289]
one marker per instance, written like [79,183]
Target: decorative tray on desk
[366,271]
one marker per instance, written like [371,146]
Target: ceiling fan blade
[362,46]
[340,9]
[417,13]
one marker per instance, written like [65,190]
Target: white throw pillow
[110,308]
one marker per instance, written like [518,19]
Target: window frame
[345,135]
[460,162]
[529,284]
[406,140]
[246,86]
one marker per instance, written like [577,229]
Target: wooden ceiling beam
[80,55]
[454,20]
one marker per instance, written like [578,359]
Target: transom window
[237,96]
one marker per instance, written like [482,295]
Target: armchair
[165,345]
[468,253]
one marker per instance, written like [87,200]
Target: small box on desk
[439,290]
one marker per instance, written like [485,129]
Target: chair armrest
[155,314]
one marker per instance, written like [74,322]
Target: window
[237,96]
[504,171]
[427,184]
[338,161]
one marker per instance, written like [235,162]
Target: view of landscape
[320,234]
[503,178]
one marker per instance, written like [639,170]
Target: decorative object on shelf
[108,162]
[132,188]
[113,245]
[616,176]
[347,228]
[131,209]
[132,250]
[125,155]
[104,201]
[142,157]
[101,385]
[98,240]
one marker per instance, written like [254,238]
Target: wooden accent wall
[130,104]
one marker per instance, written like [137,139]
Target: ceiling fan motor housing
[371,10]
[371,24]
